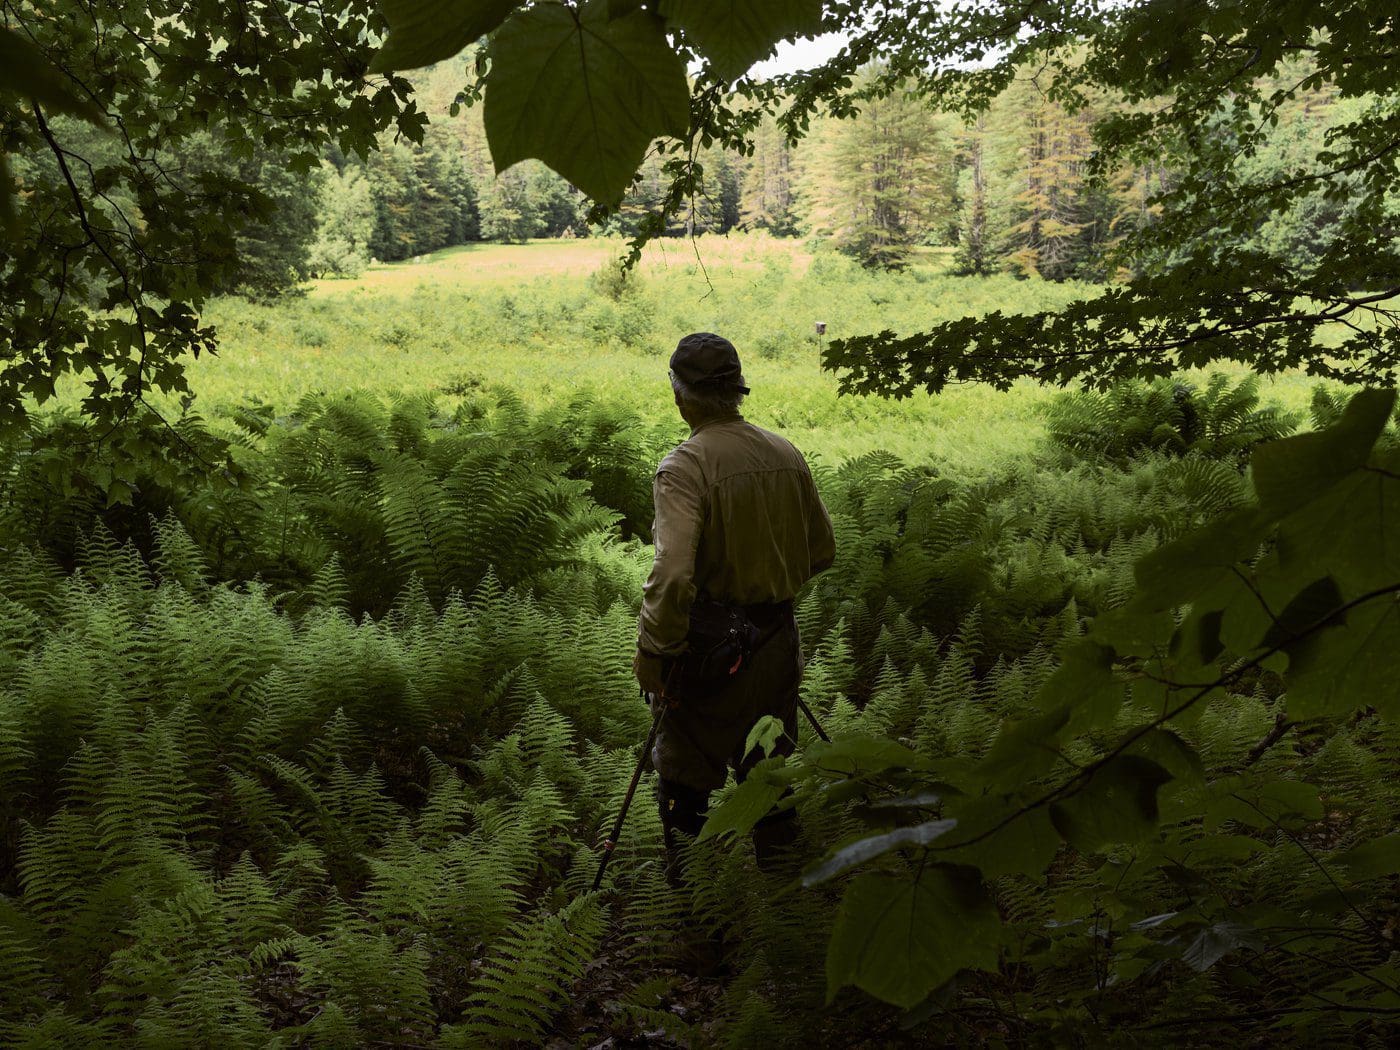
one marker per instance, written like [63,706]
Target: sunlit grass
[528,317]
[532,318]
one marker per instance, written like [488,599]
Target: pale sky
[792,55]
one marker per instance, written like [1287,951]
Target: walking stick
[610,843]
[813,719]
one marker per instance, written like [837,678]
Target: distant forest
[1012,191]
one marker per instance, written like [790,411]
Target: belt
[764,614]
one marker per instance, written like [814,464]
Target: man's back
[738,517]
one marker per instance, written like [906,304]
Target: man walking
[738,519]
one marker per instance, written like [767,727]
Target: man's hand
[648,670]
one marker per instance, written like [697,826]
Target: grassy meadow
[551,318]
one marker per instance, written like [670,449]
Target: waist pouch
[720,644]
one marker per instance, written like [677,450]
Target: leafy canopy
[113,245]
[116,236]
[584,92]
[1199,87]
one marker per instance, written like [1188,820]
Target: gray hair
[709,400]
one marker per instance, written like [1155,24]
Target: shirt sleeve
[670,589]
[821,539]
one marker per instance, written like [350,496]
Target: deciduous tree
[110,249]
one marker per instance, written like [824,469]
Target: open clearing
[538,319]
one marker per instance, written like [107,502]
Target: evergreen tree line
[1009,191]
[406,200]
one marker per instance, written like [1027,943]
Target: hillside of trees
[1009,189]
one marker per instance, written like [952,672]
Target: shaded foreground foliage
[321,758]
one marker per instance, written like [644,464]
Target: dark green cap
[706,359]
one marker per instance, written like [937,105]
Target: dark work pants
[700,741]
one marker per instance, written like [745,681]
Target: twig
[1281,726]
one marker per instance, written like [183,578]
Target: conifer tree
[345,223]
[880,182]
[457,182]
[440,218]
[717,205]
[558,206]
[509,210]
[974,252]
[273,248]
[642,198]
[766,185]
[1045,240]
[397,192]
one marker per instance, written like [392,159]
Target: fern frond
[528,976]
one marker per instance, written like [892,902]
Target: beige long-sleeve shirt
[737,516]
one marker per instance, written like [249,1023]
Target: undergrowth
[321,757]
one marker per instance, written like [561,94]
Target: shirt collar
[727,417]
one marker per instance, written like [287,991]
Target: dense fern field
[319,752]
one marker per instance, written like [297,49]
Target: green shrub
[312,334]
[1167,416]
[398,335]
[615,281]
